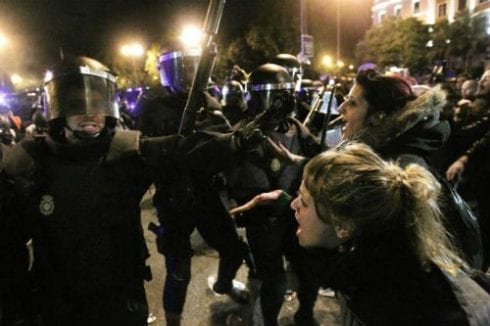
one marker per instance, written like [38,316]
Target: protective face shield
[233,94]
[272,94]
[177,69]
[79,86]
[5,106]
[268,84]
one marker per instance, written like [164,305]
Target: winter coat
[380,282]
[411,134]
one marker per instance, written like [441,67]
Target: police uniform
[257,171]
[188,198]
[78,201]
[81,208]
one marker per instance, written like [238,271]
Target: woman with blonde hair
[394,263]
[385,113]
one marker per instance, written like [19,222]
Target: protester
[395,263]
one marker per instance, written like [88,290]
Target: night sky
[37,29]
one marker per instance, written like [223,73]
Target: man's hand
[456,168]
[246,139]
[283,153]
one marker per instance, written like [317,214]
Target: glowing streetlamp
[16,79]
[133,51]
[327,61]
[340,64]
[191,37]
[3,40]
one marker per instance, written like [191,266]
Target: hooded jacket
[377,293]
[410,134]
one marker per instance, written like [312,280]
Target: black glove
[247,138]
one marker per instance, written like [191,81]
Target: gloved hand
[247,138]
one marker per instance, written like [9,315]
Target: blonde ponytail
[354,186]
[431,240]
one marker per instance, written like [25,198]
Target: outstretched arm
[276,197]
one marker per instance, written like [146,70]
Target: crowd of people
[377,217]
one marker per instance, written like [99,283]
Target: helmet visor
[79,94]
[177,69]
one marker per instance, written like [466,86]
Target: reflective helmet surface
[289,62]
[5,106]
[268,83]
[177,69]
[233,94]
[79,86]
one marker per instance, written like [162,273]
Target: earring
[342,233]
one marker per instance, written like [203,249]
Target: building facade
[429,11]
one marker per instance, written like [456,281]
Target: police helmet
[290,63]
[177,68]
[5,106]
[79,86]
[6,134]
[233,94]
[271,85]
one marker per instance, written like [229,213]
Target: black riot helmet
[79,86]
[6,134]
[233,94]
[290,63]
[271,89]
[177,68]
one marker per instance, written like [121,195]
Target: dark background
[38,29]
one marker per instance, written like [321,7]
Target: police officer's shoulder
[20,159]
[125,143]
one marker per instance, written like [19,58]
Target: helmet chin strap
[84,135]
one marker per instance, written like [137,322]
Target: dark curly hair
[384,93]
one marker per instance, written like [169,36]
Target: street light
[3,40]
[327,61]
[16,79]
[133,51]
[191,37]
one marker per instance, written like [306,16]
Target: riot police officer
[233,101]
[185,201]
[270,233]
[75,193]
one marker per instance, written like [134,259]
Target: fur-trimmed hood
[414,129]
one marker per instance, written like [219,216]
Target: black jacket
[412,134]
[381,282]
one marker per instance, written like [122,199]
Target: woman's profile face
[312,231]
[354,111]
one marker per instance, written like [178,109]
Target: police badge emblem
[275,165]
[46,206]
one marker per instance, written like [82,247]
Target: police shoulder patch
[275,165]
[46,205]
